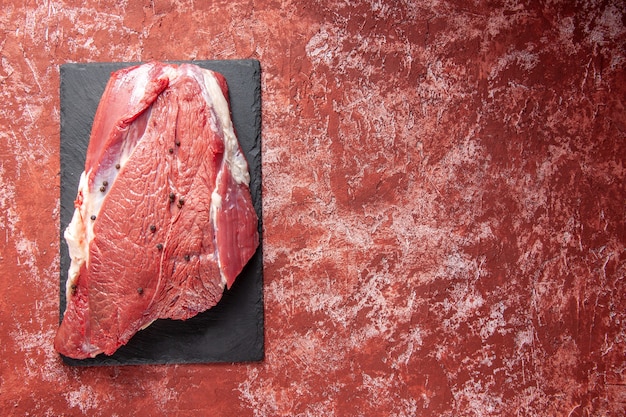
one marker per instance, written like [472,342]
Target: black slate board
[232,331]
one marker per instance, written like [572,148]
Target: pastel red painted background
[444,206]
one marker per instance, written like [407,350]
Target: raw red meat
[163,217]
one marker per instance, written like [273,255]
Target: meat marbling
[163,217]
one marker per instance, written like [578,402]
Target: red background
[444,206]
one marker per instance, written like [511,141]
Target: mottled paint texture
[444,206]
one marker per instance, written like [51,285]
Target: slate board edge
[255,262]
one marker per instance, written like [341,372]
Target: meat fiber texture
[163,216]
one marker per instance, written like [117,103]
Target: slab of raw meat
[163,217]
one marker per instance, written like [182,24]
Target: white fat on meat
[214,98]
[77,236]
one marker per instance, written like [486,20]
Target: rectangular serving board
[232,331]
